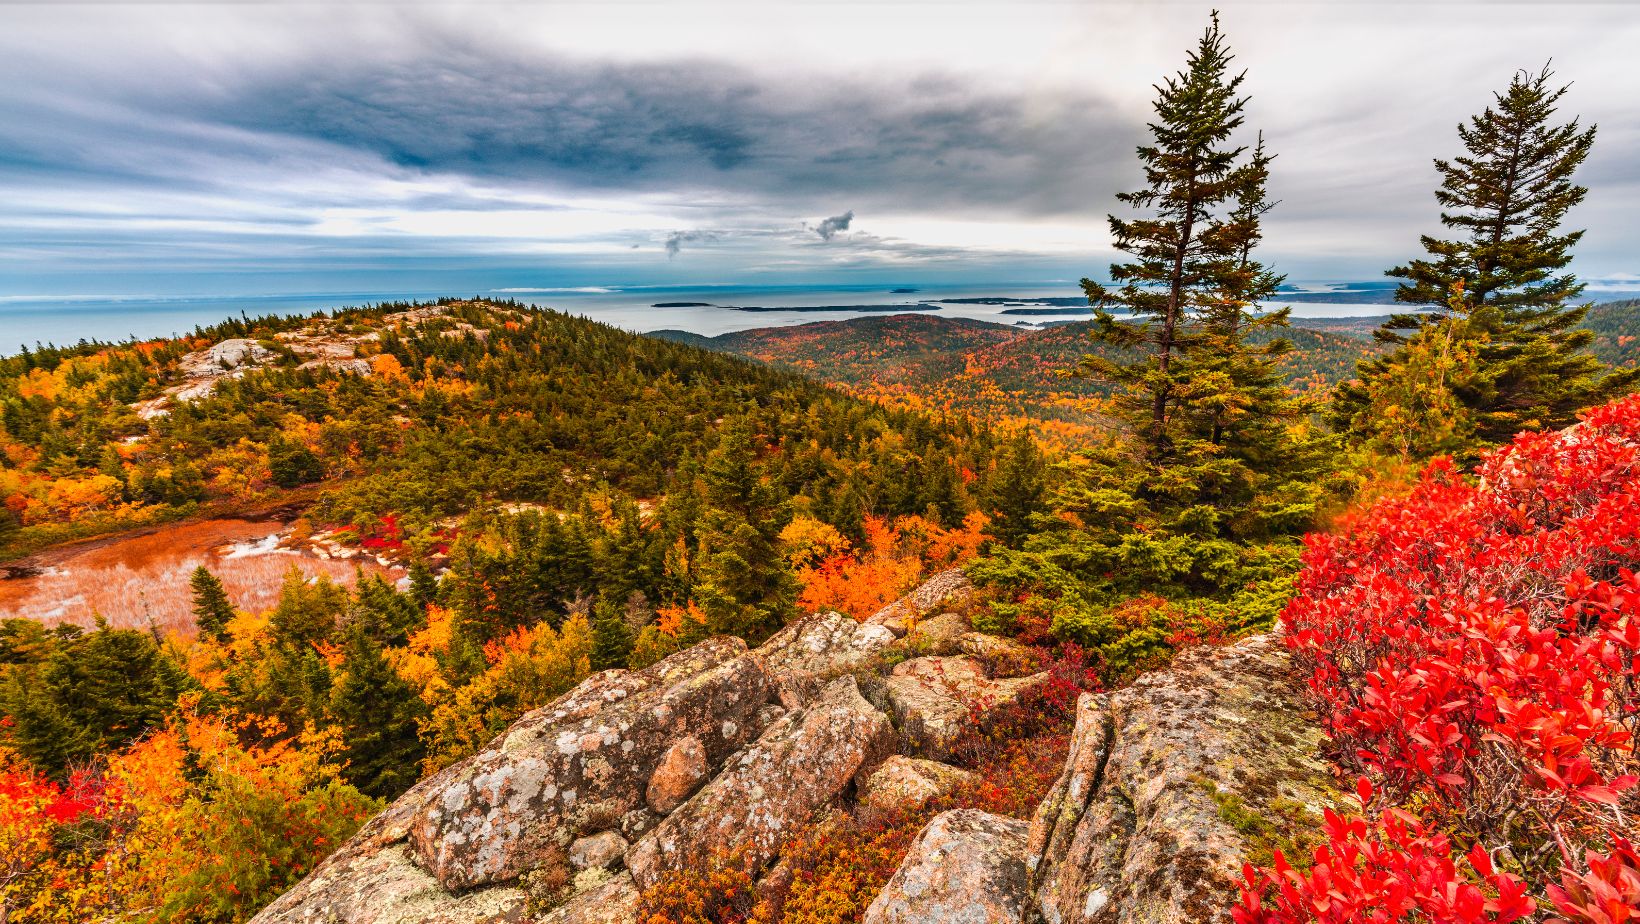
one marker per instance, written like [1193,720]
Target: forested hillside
[423,415]
[568,497]
[1616,327]
[995,372]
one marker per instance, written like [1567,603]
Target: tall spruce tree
[212,609]
[1192,285]
[611,637]
[1019,490]
[1506,197]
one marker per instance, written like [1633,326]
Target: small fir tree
[212,608]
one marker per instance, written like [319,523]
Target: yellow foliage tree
[528,669]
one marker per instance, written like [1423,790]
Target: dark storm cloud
[926,143]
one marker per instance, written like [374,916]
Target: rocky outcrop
[904,784]
[1170,786]
[936,699]
[614,901]
[825,645]
[1002,657]
[967,867]
[803,762]
[384,886]
[948,590]
[578,767]
[937,634]
[678,774]
[555,797]
[722,754]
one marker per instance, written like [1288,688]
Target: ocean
[710,310]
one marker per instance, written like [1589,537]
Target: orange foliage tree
[893,558]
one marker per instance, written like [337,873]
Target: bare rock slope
[723,753]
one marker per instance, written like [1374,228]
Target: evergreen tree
[291,465]
[423,585]
[742,582]
[377,712]
[1506,197]
[212,608]
[387,615]
[1410,406]
[94,692]
[1214,421]
[1192,284]
[611,638]
[1020,491]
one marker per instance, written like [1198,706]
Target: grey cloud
[829,227]
[675,241]
[931,143]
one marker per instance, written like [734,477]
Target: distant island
[1067,310]
[901,291]
[1067,301]
[681,305]
[918,306]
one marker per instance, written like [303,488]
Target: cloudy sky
[255,148]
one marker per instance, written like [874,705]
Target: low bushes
[1475,647]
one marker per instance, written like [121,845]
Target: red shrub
[1476,645]
[1608,894]
[1389,868]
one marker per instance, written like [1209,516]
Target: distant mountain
[994,370]
[1616,327]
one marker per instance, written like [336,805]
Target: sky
[264,148]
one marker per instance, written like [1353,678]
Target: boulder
[614,901]
[823,645]
[578,766]
[446,852]
[385,887]
[1002,657]
[935,700]
[1149,821]
[967,867]
[799,765]
[946,590]
[598,851]
[937,634]
[679,773]
[905,784]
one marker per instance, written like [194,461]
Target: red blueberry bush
[1475,647]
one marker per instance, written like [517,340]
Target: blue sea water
[27,320]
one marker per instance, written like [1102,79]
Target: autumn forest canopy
[1449,548]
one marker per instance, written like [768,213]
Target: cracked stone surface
[447,851]
[935,700]
[966,867]
[1133,831]
[801,764]
[947,590]
[823,645]
[904,784]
